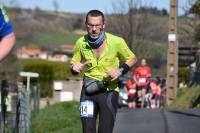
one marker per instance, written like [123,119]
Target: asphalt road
[157,121]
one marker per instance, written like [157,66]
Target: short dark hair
[94,13]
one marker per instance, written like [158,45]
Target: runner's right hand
[78,67]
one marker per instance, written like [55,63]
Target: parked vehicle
[123,97]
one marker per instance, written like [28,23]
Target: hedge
[48,72]
[183,74]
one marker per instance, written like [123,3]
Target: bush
[155,52]
[183,74]
[45,76]
[48,72]
[58,118]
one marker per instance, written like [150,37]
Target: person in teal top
[98,55]
[7,37]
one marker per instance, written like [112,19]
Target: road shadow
[185,113]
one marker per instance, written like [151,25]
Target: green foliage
[32,46]
[187,98]
[183,74]
[58,118]
[195,8]
[197,32]
[150,50]
[48,72]
[155,53]
[45,76]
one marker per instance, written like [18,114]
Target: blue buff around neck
[96,42]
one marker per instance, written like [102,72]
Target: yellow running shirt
[115,49]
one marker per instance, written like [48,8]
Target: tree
[164,12]
[128,22]
[195,8]
[136,21]
[56,6]
[187,24]
[143,28]
[14,3]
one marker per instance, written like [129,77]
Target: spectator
[192,71]
[158,92]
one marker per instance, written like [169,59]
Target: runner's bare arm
[6,45]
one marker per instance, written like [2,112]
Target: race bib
[86,108]
[132,91]
[142,80]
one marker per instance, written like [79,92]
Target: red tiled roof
[59,55]
[67,46]
[31,51]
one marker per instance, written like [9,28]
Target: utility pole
[172,57]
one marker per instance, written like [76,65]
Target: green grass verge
[187,98]
[58,118]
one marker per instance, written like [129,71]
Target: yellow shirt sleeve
[124,51]
[77,57]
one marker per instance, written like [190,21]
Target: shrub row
[48,72]
[183,74]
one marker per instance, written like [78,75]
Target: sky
[83,6]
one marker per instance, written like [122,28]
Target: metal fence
[17,103]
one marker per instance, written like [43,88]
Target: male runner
[98,55]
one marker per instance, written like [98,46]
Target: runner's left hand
[114,74]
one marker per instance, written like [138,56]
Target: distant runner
[132,94]
[141,76]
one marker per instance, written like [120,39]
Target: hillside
[42,27]
[143,32]
[36,27]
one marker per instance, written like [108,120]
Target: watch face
[121,70]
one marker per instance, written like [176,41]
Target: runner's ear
[103,27]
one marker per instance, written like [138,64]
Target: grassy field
[58,118]
[187,98]
[56,39]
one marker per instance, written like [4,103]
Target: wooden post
[172,57]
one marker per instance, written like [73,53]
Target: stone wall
[71,85]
